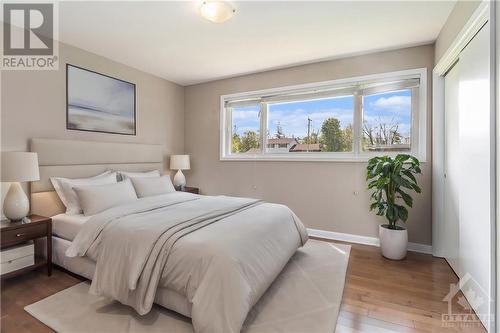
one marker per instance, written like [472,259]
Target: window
[348,119]
[246,130]
[314,125]
[387,121]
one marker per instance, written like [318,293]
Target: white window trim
[419,121]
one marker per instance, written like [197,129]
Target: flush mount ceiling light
[217,11]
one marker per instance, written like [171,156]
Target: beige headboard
[77,159]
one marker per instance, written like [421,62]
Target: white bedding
[67,226]
[85,267]
[223,253]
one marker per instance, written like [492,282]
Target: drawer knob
[19,235]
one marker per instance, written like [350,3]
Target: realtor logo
[37,22]
[468,305]
[29,32]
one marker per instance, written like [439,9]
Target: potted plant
[391,180]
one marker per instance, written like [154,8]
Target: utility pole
[309,121]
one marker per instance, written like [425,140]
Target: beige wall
[457,19]
[34,105]
[325,195]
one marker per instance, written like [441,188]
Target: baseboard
[366,240]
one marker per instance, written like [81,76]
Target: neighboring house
[280,145]
[285,145]
[393,147]
[304,147]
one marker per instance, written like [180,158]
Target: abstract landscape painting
[99,103]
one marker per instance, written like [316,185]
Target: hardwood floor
[387,296]
[380,296]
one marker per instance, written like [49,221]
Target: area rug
[305,297]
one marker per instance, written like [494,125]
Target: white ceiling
[170,39]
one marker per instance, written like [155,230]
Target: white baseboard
[373,241]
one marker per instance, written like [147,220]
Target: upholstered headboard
[77,159]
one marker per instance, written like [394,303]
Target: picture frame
[97,102]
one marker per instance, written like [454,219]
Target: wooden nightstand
[29,229]
[189,189]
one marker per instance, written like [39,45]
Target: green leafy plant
[391,179]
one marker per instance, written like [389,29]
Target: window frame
[340,87]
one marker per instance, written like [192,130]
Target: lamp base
[179,180]
[16,205]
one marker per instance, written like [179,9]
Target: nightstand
[189,189]
[15,234]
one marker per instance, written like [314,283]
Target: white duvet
[221,253]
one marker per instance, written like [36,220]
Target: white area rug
[305,297]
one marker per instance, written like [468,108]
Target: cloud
[245,114]
[393,104]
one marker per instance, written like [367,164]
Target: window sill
[307,158]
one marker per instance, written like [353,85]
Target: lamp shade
[19,167]
[179,162]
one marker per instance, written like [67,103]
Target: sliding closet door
[476,177]
[452,169]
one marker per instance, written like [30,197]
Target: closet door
[452,169]
[476,178]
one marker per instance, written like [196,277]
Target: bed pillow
[147,186]
[64,189]
[125,174]
[97,198]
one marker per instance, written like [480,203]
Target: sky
[393,107]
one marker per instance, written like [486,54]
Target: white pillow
[125,174]
[97,198]
[64,189]
[147,186]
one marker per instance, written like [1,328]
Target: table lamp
[18,167]
[179,162]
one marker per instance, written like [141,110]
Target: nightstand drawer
[10,237]
[16,252]
[15,264]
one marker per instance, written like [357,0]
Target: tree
[347,138]
[236,143]
[332,136]
[382,133]
[279,131]
[314,138]
[249,140]
[368,131]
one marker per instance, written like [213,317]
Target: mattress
[67,226]
[85,267]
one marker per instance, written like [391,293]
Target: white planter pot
[393,243]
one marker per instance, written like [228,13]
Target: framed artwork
[99,103]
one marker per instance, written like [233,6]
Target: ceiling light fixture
[217,11]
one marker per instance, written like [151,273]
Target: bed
[253,242]
[66,227]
